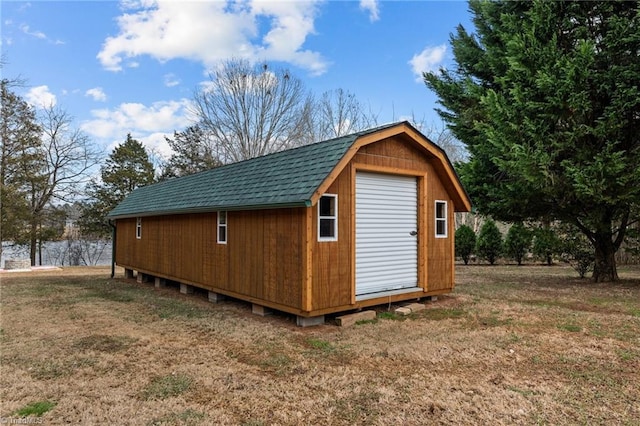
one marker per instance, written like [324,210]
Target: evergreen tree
[545,244]
[127,168]
[19,157]
[546,97]
[576,251]
[193,152]
[489,244]
[517,242]
[465,242]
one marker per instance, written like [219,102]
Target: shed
[351,222]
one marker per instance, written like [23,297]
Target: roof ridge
[283,178]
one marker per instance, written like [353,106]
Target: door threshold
[387,293]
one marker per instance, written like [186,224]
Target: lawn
[511,345]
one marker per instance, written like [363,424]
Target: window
[222,227]
[138,227]
[328,218]
[441,219]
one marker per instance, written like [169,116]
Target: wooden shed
[356,221]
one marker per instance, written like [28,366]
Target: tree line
[542,241]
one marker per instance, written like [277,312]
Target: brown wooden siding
[331,282]
[262,258]
[439,250]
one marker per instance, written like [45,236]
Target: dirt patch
[511,345]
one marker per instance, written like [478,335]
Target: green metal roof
[283,179]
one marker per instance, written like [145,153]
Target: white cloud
[372,7]
[170,80]
[97,94]
[428,60]
[148,124]
[40,97]
[213,31]
[38,34]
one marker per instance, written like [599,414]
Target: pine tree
[465,242]
[489,244]
[545,244]
[193,152]
[517,242]
[127,168]
[546,97]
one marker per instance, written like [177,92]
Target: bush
[489,242]
[546,244]
[517,242]
[465,243]
[578,251]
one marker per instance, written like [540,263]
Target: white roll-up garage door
[386,233]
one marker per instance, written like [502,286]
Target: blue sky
[132,66]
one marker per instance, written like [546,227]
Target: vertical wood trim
[452,237]
[352,243]
[307,268]
[422,233]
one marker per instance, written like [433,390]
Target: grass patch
[635,312]
[53,369]
[493,320]
[438,314]
[360,408]
[627,355]
[163,387]
[102,343]
[167,308]
[390,315]
[321,345]
[570,326]
[328,352]
[187,417]
[523,392]
[35,409]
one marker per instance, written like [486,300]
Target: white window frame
[222,225]
[444,220]
[333,217]
[138,228]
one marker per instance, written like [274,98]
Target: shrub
[577,251]
[546,244]
[517,242]
[489,242]
[465,243]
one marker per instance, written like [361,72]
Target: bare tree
[250,110]
[65,157]
[443,137]
[339,113]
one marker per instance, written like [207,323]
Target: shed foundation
[309,321]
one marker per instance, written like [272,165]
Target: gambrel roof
[291,178]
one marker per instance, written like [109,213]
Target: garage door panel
[386,217]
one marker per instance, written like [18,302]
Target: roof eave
[210,209]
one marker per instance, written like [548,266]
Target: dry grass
[511,345]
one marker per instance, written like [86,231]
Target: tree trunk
[604,268]
[33,241]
